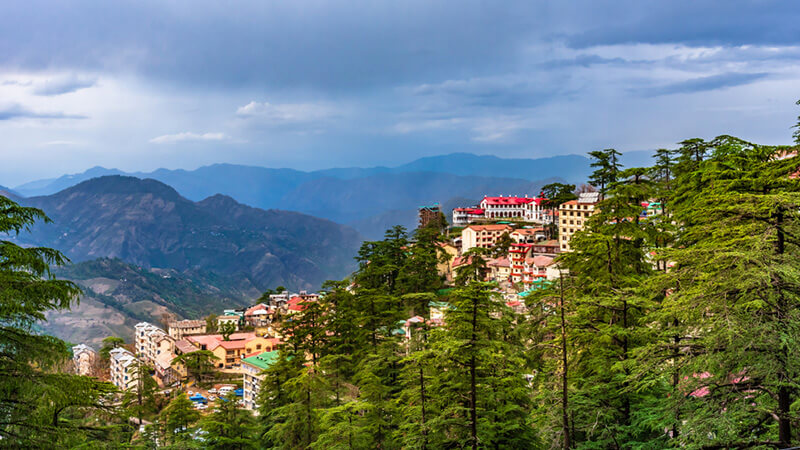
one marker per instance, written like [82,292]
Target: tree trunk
[564,392]
[472,384]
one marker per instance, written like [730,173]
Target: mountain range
[368,199]
[147,223]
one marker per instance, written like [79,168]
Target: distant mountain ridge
[147,223]
[365,198]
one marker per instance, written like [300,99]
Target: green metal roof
[439,305]
[262,360]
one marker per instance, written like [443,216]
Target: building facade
[428,214]
[152,341]
[179,329]
[122,368]
[85,358]
[252,367]
[484,236]
[572,217]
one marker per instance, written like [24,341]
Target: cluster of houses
[247,348]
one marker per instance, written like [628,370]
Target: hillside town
[521,234]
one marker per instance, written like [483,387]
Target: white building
[252,367]
[465,216]
[520,208]
[151,341]
[84,358]
[123,368]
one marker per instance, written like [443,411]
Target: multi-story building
[232,319]
[252,367]
[179,329]
[536,269]
[122,368]
[465,216]
[483,236]
[499,269]
[572,217]
[152,341]
[428,214]
[520,208]
[259,315]
[85,358]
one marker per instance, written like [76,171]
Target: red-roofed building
[465,216]
[522,208]
[230,352]
[295,304]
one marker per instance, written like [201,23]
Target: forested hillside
[671,330]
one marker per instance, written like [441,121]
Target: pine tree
[733,293]
[229,427]
[40,407]
[481,397]
[178,419]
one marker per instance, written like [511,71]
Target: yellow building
[230,353]
[572,217]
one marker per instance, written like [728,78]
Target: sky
[138,85]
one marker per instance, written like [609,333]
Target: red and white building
[528,209]
[465,216]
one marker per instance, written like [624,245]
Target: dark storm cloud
[335,45]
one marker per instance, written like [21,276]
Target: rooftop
[187,324]
[498,227]
[263,360]
[507,200]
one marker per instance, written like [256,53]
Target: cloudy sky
[142,84]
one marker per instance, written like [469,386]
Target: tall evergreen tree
[39,407]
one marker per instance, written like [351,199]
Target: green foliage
[41,407]
[229,427]
[226,330]
[110,343]
[178,419]
[200,364]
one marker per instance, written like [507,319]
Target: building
[572,217]
[528,235]
[122,368]
[259,315]
[521,208]
[465,216]
[445,268]
[151,341]
[499,269]
[85,358]
[230,352]
[232,319]
[183,328]
[428,214]
[252,367]
[536,268]
[483,236]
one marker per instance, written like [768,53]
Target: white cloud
[188,137]
[286,112]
